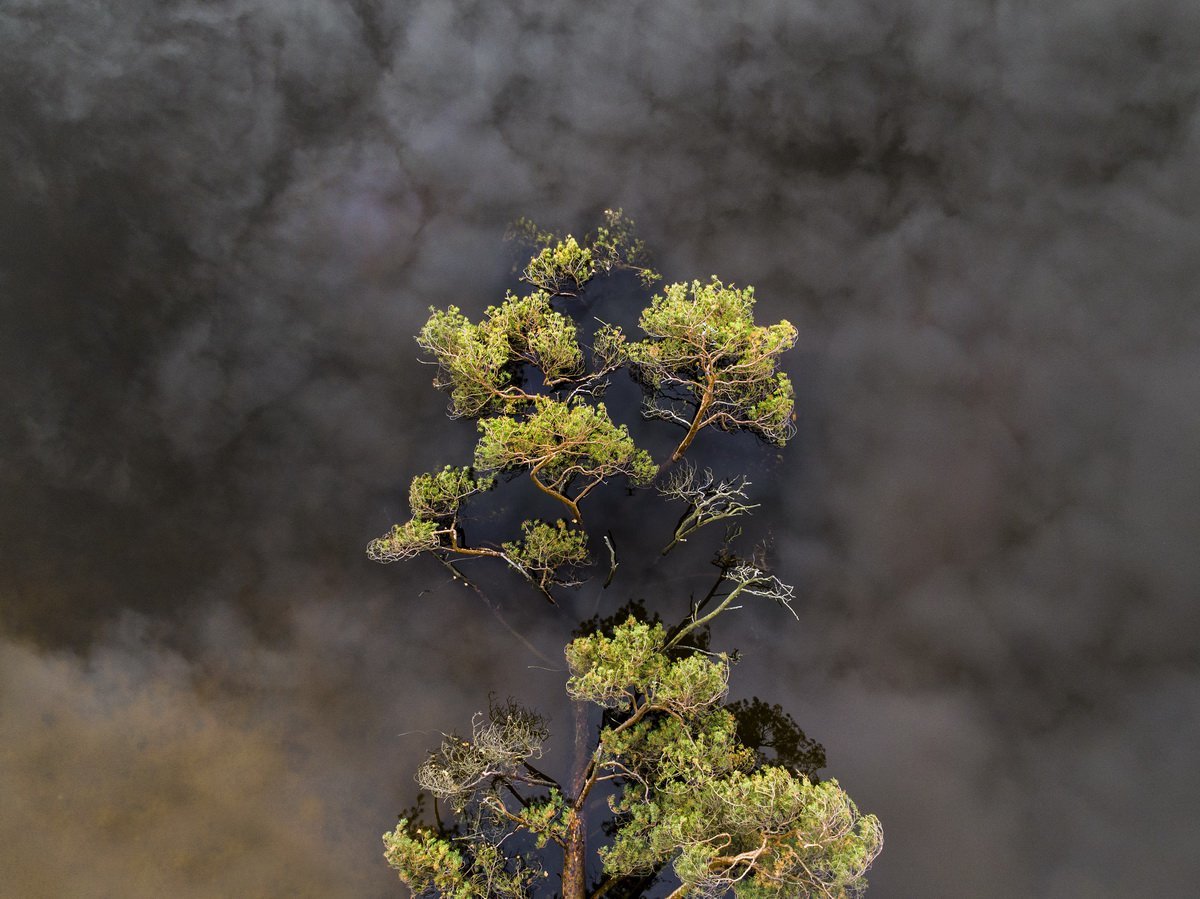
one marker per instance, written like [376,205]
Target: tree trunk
[575,854]
[575,859]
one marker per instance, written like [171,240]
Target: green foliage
[694,796]
[537,335]
[615,245]
[567,448]
[764,832]
[482,365]
[404,541]
[704,352]
[547,818]
[431,865]
[615,672]
[547,551]
[426,863]
[562,439]
[691,795]
[606,670]
[434,500]
[440,494]
[609,347]
[562,265]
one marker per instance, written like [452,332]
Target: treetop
[721,796]
[483,365]
[703,362]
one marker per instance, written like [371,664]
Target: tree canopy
[691,797]
[569,449]
[698,794]
[483,365]
[705,362]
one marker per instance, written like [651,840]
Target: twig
[612,554]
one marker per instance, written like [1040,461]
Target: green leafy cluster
[704,349]
[547,819]
[404,541]
[432,865]
[482,365]
[562,440]
[694,796]
[547,550]
[631,665]
[764,832]
[562,265]
[434,500]
[441,494]
[615,245]
[425,862]
[568,448]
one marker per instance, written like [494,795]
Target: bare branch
[613,563]
[708,499]
[743,578]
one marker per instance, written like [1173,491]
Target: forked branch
[708,499]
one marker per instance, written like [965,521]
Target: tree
[720,796]
[705,362]
[690,795]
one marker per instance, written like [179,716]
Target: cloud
[225,222]
[240,764]
[121,779]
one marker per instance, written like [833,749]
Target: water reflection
[225,223]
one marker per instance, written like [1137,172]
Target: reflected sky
[222,223]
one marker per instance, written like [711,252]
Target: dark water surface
[222,222]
